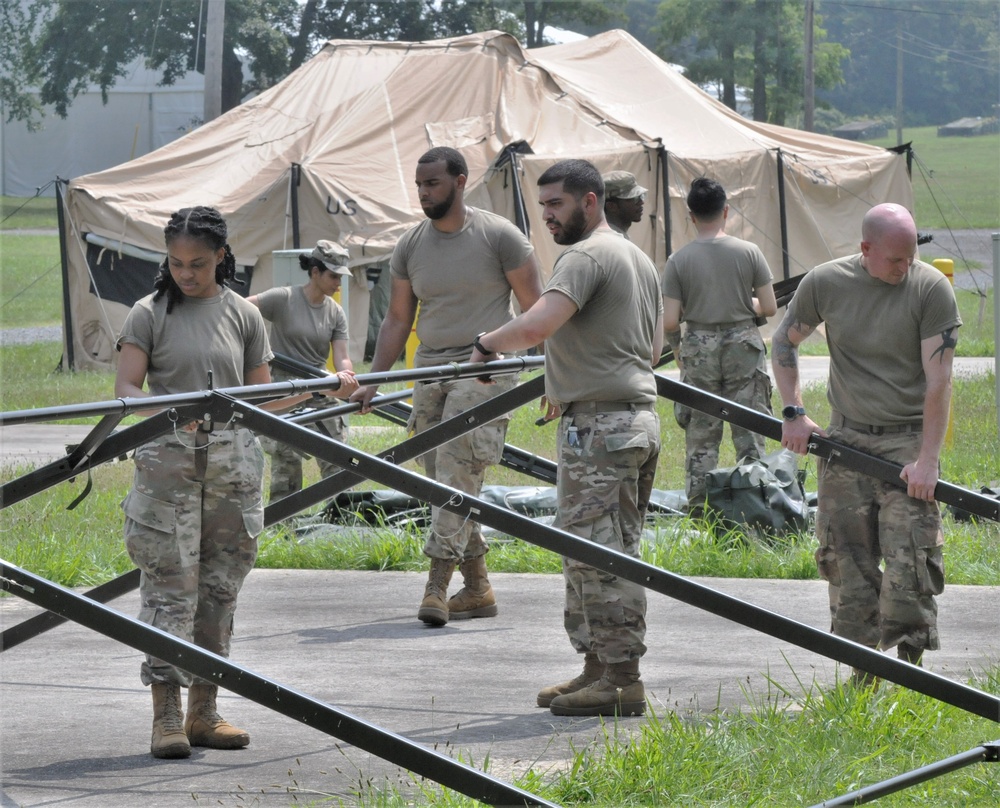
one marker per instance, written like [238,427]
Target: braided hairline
[202,223]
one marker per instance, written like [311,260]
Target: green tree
[562,13]
[18,74]
[93,43]
[64,46]
[756,44]
[950,56]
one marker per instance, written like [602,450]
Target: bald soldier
[892,326]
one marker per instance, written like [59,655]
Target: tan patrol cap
[333,256]
[621,185]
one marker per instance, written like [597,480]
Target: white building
[140,116]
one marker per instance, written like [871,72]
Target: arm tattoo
[948,343]
[785,354]
[674,341]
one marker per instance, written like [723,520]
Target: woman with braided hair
[195,508]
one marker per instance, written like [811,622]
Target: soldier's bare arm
[936,353]
[785,343]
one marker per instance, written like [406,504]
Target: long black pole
[275,696]
[125,406]
[616,563]
[831,450]
[783,217]
[293,190]
[985,753]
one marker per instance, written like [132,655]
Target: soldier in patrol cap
[623,200]
[307,324]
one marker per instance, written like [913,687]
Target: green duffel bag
[765,495]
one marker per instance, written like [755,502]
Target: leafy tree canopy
[62,47]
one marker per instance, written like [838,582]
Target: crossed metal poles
[220,407]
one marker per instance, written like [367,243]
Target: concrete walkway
[76,720]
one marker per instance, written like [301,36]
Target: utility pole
[809,100]
[214,27]
[899,83]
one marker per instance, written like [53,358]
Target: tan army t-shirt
[874,331]
[459,279]
[715,279]
[604,351]
[224,334]
[300,329]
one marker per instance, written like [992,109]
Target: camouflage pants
[880,550]
[286,462]
[191,524]
[603,486]
[730,363]
[461,463]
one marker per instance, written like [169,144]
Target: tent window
[124,279]
[119,278]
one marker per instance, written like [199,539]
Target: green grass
[31,281]
[954,179]
[28,213]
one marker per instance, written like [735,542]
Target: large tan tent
[330,152]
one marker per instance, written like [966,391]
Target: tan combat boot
[169,739]
[593,670]
[476,598]
[434,607]
[618,692]
[204,725]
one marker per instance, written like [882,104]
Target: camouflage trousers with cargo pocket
[286,462]
[191,524]
[880,550]
[732,363]
[607,461]
[460,463]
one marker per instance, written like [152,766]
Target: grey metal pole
[996,322]
[214,43]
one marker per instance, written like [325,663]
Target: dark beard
[441,208]
[573,230]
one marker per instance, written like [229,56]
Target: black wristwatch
[791,412]
[479,346]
